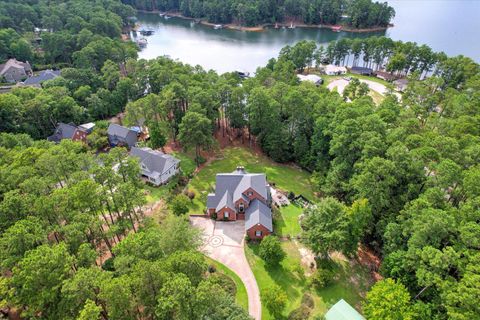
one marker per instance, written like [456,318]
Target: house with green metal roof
[343,311]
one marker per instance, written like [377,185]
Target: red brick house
[69,131]
[243,196]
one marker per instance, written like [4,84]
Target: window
[249,193]
[258,233]
[225,215]
[241,207]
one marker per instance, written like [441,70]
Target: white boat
[291,26]
[217,26]
[161,14]
[142,42]
[167,17]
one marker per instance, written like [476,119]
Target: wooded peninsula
[355,14]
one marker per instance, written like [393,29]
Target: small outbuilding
[343,311]
[361,71]
[400,84]
[387,76]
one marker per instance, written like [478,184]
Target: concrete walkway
[224,242]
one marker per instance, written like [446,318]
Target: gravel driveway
[224,241]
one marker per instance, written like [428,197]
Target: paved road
[224,242]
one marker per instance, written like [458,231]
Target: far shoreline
[260,28]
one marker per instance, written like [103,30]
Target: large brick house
[243,196]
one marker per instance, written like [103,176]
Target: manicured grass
[155,193]
[286,221]
[241,297]
[283,176]
[329,79]
[351,281]
[187,164]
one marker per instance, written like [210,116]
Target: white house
[157,166]
[333,70]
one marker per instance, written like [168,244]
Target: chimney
[240,170]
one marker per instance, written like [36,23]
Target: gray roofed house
[121,136]
[258,213]
[44,75]
[242,196]
[68,131]
[15,71]
[157,166]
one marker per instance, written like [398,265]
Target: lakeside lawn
[351,282]
[285,177]
[241,297]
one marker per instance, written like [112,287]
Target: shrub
[225,282]
[322,278]
[191,195]
[275,300]
[212,269]
[307,300]
[179,205]
[271,250]
[301,313]
[291,195]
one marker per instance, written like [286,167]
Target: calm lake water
[452,26]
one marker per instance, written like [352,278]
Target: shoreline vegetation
[263,27]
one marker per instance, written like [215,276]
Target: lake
[450,26]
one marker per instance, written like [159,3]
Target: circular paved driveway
[224,241]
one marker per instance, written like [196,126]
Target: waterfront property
[121,136]
[68,131]
[14,71]
[157,166]
[361,71]
[333,70]
[243,196]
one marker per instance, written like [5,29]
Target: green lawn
[327,79]
[153,194]
[285,177]
[351,282]
[241,296]
[187,164]
[286,221]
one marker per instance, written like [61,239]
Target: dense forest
[400,176]
[354,13]
[75,32]
[61,208]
